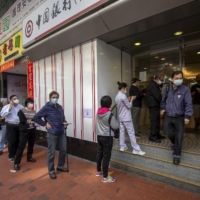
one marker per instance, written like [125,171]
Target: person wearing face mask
[195,90]
[54,121]
[27,133]
[124,111]
[177,106]
[9,112]
[154,97]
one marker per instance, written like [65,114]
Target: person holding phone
[27,133]
[54,121]
[124,111]
[9,112]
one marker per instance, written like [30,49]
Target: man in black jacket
[153,93]
[137,104]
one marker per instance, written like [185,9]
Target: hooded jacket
[123,107]
[102,125]
[53,115]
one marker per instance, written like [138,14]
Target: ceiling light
[162,58]
[145,68]
[178,33]
[156,57]
[198,52]
[101,53]
[170,64]
[137,44]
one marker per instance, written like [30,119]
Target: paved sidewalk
[32,182]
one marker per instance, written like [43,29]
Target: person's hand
[65,124]
[129,98]
[187,121]
[133,98]
[48,126]
[11,105]
[32,122]
[162,112]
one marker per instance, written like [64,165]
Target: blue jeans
[3,138]
[52,140]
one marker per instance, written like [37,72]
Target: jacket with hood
[54,116]
[102,125]
[123,107]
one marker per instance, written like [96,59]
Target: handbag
[116,132]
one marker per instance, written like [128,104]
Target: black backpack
[116,132]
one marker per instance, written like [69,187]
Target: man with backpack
[177,105]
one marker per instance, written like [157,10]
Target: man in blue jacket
[177,105]
[54,121]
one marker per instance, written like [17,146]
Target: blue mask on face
[178,82]
[54,101]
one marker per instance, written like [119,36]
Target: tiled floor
[32,182]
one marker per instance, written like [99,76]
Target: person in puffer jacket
[54,121]
[124,110]
[105,140]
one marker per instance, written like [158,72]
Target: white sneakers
[124,149]
[141,153]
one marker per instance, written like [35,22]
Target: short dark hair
[52,93]
[121,85]
[176,73]
[28,100]
[13,96]
[106,101]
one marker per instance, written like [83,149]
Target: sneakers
[109,179]
[137,135]
[141,153]
[124,149]
[99,173]
[11,159]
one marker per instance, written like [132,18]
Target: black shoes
[155,140]
[137,135]
[161,137]
[62,169]
[1,152]
[52,175]
[16,167]
[31,160]
[176,161]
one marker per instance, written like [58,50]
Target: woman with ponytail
[124,106]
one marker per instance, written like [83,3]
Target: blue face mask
[178,82]
[54,101]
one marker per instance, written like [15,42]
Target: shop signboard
[6,66]
[30,79]
[11,49]
[53,14]
[17,85]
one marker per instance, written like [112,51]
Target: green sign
[6,23]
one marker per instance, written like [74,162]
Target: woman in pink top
[125,118]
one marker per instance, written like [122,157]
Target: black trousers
[12,132]
[104,153]
[155,122]
[174,128]
[29,136]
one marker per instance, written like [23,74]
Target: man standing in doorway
[154,98]
[9,112]
[196,101]
[137,104]
[177,106]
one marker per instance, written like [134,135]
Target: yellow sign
[11,49]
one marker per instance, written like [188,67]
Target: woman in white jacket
[124,110]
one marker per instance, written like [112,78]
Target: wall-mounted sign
[30,79]
[17,12]
[11,49]
[8,65]
[53,14]
[143,76]
[87,113]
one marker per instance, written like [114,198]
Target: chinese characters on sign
[6,23]
[30,79]
[6,66]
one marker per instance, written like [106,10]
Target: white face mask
[30,105]
[16,101]
[159,82]
[178,82]
[125,91]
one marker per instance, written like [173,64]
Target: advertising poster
[17,85]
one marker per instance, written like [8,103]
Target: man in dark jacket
[177,106]
[55,123]
[137,104]
[153,95]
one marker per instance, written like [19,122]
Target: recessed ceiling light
[162,58]
[198,52]
[170,64]
[156,57]
[145,68]
[178,33]
[137,44]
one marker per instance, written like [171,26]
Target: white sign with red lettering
[54,14]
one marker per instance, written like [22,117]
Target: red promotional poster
[30,79]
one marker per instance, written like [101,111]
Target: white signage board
[87,113]
[143,76]
[53,14]
[17,85]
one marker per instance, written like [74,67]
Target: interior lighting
[170,64]
[156,57]
[145,68]
[198,52]
[178,33]
[162,58]
[137,44]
